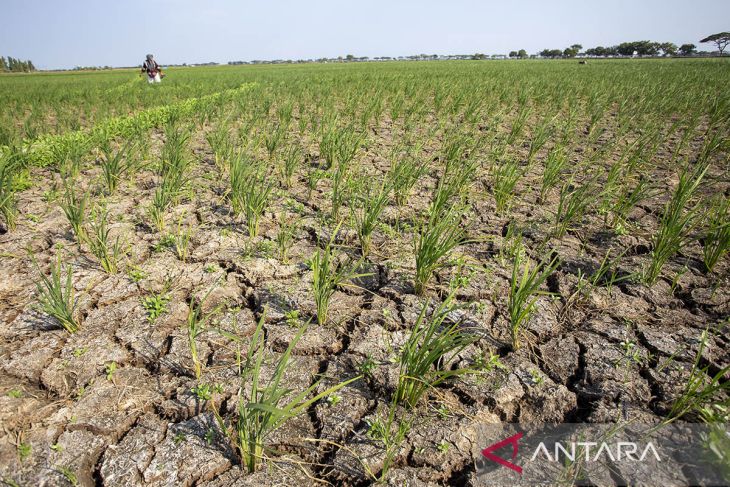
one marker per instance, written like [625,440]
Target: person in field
[153,70]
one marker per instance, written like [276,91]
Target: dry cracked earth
[625,352]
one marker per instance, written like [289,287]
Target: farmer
[154,73]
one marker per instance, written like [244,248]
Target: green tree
[3,64]
[687,49]
[668,48]
[513,54]
[522,54]
[721,40]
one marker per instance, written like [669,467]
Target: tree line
[10,64]
[639,48]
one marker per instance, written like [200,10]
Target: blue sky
[67,33]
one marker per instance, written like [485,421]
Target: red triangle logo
[512,440]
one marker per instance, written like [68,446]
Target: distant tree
[551,53]
[522,54]
[687,49]
[641,48]
[721,40]
[668,48]
[479,55]
[513,54]
[572,51]
[3,64]
[349,57]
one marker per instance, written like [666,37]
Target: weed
[156,304]
[110,369]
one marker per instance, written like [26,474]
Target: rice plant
[288,230]
[269,404]
[431,345]
[554,166]
[292,159]
[702,389]
[433,240]
[403,175]
[366,209]
[273,138]
[341,182]
[108,251]
[540,136]
[524,290]
[573,204]
[181,240]
[219,140]
[115,163]
[676,222]
[56,296]
[8,200]
[250,191]
[196,324]
[716,241]
[73,205]
[626,199]
[505,176]
[329,273]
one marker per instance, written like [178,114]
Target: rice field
[330,273]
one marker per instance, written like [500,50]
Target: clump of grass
[73,205]
[524,291]
[328,273]
[56,296]
[366,210]
[676,221]
[432,344]
[100,244]
[717,237]
[433,240]
[270,404]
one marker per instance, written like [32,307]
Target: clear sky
[67,33]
